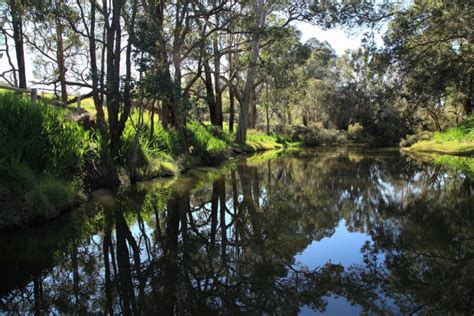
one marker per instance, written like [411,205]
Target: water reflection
[265,237]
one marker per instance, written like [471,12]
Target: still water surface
[339,232]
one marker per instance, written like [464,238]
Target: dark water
[338,232]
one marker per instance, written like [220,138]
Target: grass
[41,157]
[43,165]
[258,141]
[453,141]
[39,136]
[27,196]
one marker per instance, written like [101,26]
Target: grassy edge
[449,148]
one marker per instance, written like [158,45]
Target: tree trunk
[127,90]
[253,110]
[241,136]
[98,104]
[217,82]
[60,60]
[231,97]
[468,106]
[17,24]
[468,101]
[113,75]
[211,101]
[267,113]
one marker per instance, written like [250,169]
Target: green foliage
[355,131]
[38,136]
[455,141]
[255,136]
[314,135]
[50,196]
[39,150]
[203,142]
[461,163]
[412,139]
[29,195]
[463,133]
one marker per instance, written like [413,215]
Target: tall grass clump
[454,141]
[38,136]
[204,143]
[146,156]
[463,133]
[41,157]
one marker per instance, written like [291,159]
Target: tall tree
[17,25]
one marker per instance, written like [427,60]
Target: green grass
[39,136]
[259,141]
[41,158]
[42,154]
[453,141]
[28,196]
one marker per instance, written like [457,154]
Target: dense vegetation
[455,140]
[41,153]
[163,85]
[48,160]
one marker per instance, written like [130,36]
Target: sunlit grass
[454,141]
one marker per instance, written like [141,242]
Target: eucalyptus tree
[431,45]
[14,19]
[262,18]
[57,48]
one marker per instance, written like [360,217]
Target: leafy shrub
[355,131]
[313,135]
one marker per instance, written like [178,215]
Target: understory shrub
[355,131]
[313,135]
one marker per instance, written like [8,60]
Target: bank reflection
[227,243]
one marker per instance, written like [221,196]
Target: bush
[355,131]
[313,135]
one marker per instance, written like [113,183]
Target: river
[339,232]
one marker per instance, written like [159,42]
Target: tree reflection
[229,245]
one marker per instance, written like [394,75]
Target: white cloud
[337,38]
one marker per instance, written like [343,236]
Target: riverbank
[457,141]
[50,159]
